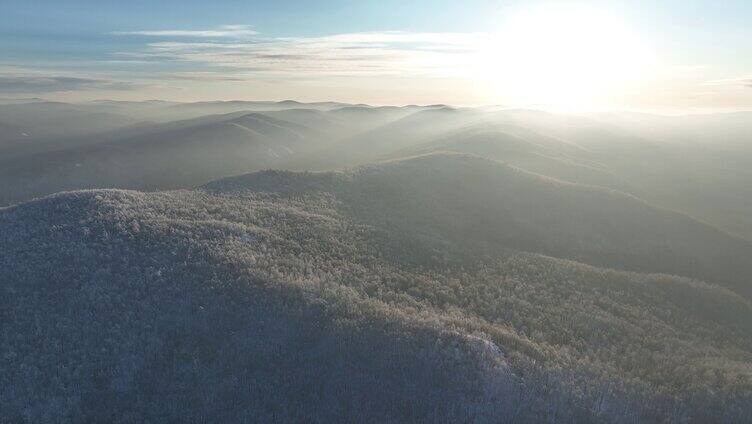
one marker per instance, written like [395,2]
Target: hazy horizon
[666,57]
[499,107]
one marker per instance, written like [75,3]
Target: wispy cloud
[224,31]
[744,81]
[38,83]
[351,54]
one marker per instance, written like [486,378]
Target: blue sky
[374,51]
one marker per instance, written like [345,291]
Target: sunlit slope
[528,151]
[400,132]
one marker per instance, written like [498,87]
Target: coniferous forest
[477,271]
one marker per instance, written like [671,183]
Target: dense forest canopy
[289,262]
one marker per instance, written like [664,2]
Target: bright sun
[562,58]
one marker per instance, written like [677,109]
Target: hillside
[397,134]
[468,200]
[697,165]
[173,155]
[45,120]
[367,295]
[531,152]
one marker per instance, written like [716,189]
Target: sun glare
[562,58]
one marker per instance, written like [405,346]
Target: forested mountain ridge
[469,200]
[698,165]
[282,296]
[172,155]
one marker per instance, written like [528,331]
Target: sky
[663,55]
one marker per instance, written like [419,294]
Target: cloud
[351,54]
[31,83]
[745,81]
[224,31]
[201,77]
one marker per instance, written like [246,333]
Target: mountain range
[292,262]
